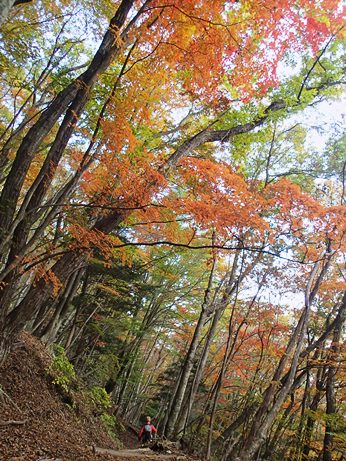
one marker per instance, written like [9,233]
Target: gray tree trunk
[331,427]
[5,7]
[178,398]
[186,372]
[52,329]
[274,396]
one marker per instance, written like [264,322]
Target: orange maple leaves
[204,196]
[219,198]
[211,42]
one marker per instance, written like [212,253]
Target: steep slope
[35,422]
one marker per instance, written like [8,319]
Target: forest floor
[39,423]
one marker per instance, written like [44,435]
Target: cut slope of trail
[38,424]
[35,422]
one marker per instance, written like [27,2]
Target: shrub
[109,422]
[100,398]
[61,369]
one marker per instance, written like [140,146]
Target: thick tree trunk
[6,341]
[36,297]
[5,8]
[50,332]
[70,101]
[71,336]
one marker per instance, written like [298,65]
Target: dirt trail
[136,454]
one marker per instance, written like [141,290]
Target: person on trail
[147,430]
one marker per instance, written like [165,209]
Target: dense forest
[172,213]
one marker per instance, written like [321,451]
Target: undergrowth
[62,370]
[64,377]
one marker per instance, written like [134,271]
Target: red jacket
[143,428]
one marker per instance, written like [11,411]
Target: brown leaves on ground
[37,424]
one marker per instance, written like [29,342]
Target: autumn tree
[193,35]
[178,133]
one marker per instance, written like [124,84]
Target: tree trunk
[231,342]
[330,390]
[50,332]
[184,417]
[37,296]
[229,439]
[218,311]
[71,336]
[310,422]
[5,8]
[185,375]
[6,340]
[70,101]
[274,397]
[178,398]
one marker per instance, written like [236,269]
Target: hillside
[38,423]
[46,426]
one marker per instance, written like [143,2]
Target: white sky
[324,116]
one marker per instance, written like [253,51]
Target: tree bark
[310,422]
[218,309]
[189,361]
[38,295]
[186,372]
[50,332]
[70,101]
[330,390]
[274,396]
[5,7]
[230,345]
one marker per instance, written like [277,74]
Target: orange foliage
[301,215]
[87,240]
[124,181]
[244,41]
[48,276]
[219,198]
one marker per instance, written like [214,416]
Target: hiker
[146,433]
